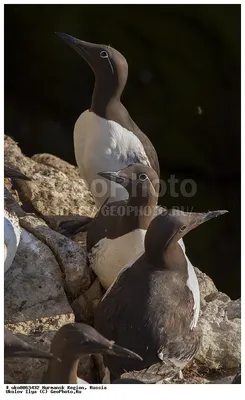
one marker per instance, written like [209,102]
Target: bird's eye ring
[103,54]
[143,177]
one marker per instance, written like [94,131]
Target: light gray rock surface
[220,322]
[35,303]
[71,257]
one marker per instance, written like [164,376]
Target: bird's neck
[62,372]
[165,256]
[138,213]
[106,96]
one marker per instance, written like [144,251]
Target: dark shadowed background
[183,91]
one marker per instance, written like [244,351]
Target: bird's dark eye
[143,177]
[104,54]
[183,228]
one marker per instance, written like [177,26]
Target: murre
[15,347]
[105,136]
[70,343]
[12,229]
[151,307]
[116,235]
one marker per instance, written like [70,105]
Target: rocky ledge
[49,282]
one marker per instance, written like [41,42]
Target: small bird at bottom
[70,343]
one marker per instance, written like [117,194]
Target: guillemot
[106,238]
[12,229]
[150,308]
[15,347]
[70,343]
[12,234]
[105,136]
[117,234]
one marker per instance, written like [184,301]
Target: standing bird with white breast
[152,308]
[105,136]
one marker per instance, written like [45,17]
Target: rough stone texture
[51,191]
[84,306]
[206,285]
[71,257]
[220,322]
[33,284]
[34,304]
[52,161]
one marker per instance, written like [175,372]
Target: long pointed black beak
[80,46]
[70,40]
[214,214]
[114,176]
[14,174]
[116,350]
[209,215]
[193,220]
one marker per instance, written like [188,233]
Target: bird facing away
[151,307]
[105,136]
[117,233]
[70,343]
[15,347]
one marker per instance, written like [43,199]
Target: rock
[237,377]
[33,286]
[57,163]
[220,322]
[71,257]
[206,285]
[226,380]
[84,306]
[34,304]
[233,309]
[51,191]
